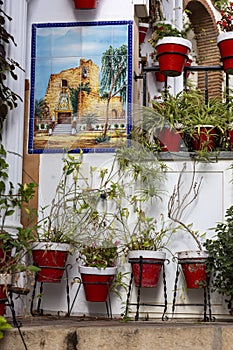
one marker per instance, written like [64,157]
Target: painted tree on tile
[114,78]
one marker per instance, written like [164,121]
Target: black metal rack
[142,261]
[207,312]
[39,310]
[108,304]
[205,69]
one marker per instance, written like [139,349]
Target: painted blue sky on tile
[60,48]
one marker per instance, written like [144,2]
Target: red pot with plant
[193,265]
[170,140]
[51,259]
[85,4]
[225,39]
[172,54]
[97,282]
[204,138]
[143,28]
[146,267]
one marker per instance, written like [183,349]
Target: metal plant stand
[142,261]
[107,302]
[39,310]
[207,313]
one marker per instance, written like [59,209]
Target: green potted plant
[145,249]
[225,38]
[13,246]
[172,48]
[193,262]
[220,262]
[55,233]
[104,210]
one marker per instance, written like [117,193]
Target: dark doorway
[64,118]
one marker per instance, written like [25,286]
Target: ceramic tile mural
[81,82]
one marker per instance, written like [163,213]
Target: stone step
[61,129]
[80,334]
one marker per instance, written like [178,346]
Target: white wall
[207,210]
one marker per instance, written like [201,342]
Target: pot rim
[148,254]
[89,270]
[224,36]
[175,40]
[64,247]
[142,24]
[192,254]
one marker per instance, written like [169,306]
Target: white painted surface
[215,195]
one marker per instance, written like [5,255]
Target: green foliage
[8,99]
[101,257]
[11,199]
[220,262]
[147,235]
[74,95]
[4,325]
[59,220]
[162,30]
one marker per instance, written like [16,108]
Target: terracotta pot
[225,45]
[172,54]
[152,262]
[85,4]
[194,268]
[169,139]
[51,258]
[143,28]
[97,282]
[204,138]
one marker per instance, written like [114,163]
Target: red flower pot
[188,64]
[172,54]
[225,45]
[51,259]
[194,268]
[230,136]
[204,138]
[143,28]
[152,262]
[169,139]
[85,4]
[160,77]
[3,299]
[96,282]
[5,280]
